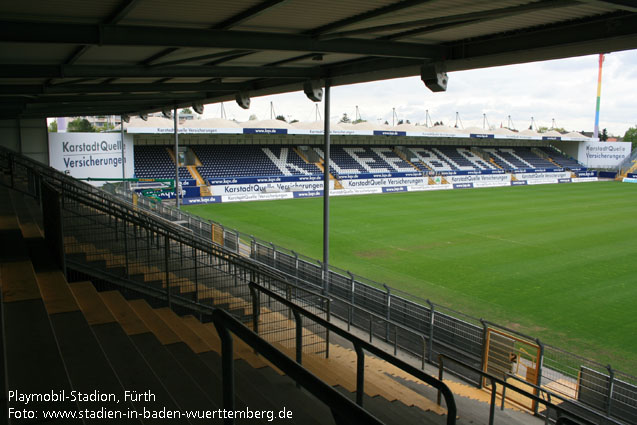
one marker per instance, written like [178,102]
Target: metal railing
[628,163]
[549,397]
[160,258]
[386,313]
[563,416]
[360,345]
[343,409]
[445,331]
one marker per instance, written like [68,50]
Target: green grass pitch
[558,262]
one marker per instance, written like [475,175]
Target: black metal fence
[414,325]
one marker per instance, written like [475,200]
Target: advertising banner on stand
[96,155]
[607,155]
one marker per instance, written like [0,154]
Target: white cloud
[564,90]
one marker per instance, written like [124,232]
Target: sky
[564,90]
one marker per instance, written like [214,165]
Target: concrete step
[32,358]
[283,392]
[134,372]
[186,392]
[86,364]
[184,356]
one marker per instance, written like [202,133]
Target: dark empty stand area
[453,156]
[275,160]
[395,161]
[155,162]
[365,159]
[533,159]
[387,156]
[292,161]
[234,161]
[560,159]
[507,158]
[428,158]
[343,161]
[369,160]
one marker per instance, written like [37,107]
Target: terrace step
[132,369]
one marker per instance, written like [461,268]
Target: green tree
[252,117]
[345,118]
[280,118]
[53,127]
[186,111]
[80,125]
[631,136]
[106,127]
[604,136]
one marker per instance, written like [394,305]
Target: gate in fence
[508,354]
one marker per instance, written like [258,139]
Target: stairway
[401,155]
[338,370]
[632,169]
[64,336]
[192,169]
[495,164]
[337,183]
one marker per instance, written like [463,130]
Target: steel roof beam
[104,104]
[117,16]
[225,54]
[114,71]
[385,10]
[248,14]
[32,89]
[335,25]
[225,25]
[460,18]
[70,99]
[116,35]
[627,5]
[572,34]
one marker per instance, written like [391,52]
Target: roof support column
[326,188]
[177,190]
[121,119]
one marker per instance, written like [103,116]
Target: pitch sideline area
[554,261]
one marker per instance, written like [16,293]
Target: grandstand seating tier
[230,161]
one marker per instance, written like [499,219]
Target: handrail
[284,276]
[343,409]
[551,394]
[360,345]
[565,419]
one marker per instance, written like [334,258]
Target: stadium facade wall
[26,136]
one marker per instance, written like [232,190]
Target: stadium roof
[77,57]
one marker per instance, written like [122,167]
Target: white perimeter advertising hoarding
[96,155]
[603,154]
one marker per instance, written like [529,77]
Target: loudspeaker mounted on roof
[243,99]
[313,90]
[435,77]
[198,108]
